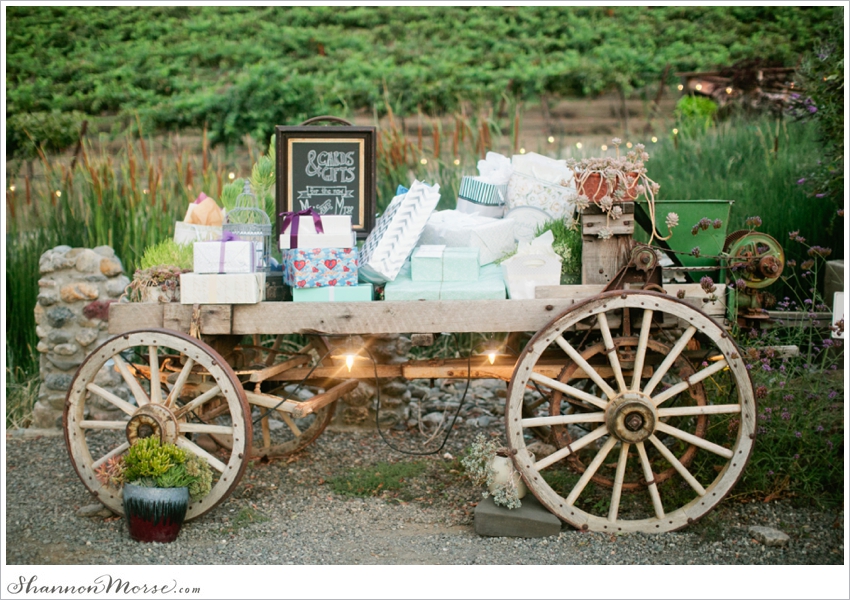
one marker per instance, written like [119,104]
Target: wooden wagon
[637,384]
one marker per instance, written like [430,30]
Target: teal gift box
[460,264]
[489,286]
[439,263]
[362,292]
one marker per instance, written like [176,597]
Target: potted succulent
[158,278]
[157,480]
[488,465]
[611,180]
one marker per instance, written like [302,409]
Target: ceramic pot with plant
[157,481]
[158,278]
[609,181]
[489,466]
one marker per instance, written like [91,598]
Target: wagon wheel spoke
[650,479]
[629,414]
[640,355]
[617,490]
[132,383]
[106,379]
[181,381]
[591,470]
[684,385]
[611,351]
[112,399]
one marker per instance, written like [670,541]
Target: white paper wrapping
[235,256]
[493,237]
[232,288]
[397,232]
[535,263]
[536,181]
[188,233]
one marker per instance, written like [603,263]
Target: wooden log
[215,318]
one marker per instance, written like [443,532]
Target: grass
[376,479]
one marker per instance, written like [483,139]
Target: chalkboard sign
[329,169]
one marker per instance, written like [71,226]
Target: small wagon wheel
[201,396]
[638,419]
[284,424]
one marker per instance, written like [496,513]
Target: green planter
[709,241]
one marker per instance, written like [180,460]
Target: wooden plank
[319,401]
[694,294]
[602,259]
[440,369]
[335,318]
[215,318]
[591,224]
[295,361]
[127,316]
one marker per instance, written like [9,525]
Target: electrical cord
[454,419]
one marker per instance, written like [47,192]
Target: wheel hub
[152,420]
[631,417]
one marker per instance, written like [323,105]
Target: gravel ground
[285,512]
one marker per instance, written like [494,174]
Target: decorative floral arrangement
[478,463]
[149,463]
[609,180]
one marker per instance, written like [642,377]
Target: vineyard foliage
[242,70]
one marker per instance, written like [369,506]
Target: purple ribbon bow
[292,218]
[226,236]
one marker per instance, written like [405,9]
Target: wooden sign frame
[329,174]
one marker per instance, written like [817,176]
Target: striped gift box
[472,189]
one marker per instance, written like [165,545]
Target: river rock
[111,267]
[86,336]
[58,316]
[74,292]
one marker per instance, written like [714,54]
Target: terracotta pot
[154,514]
[596,188]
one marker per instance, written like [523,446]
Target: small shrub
[168,253]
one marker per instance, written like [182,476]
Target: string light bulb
[424,161]
[349,361]
[457,161]
[551,139]
[681,87]
[12,188]
[698,86]
[728,90]
[231,176]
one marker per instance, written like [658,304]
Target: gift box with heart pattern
[320,267]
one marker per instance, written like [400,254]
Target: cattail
[435,132]
[206,148]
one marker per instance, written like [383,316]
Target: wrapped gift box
[556,200]
[350,293]
[230,288]
[523,274]
[337,233]
[438,263]
[320,267]
[490,286]
[477,195]
[233,256]
[397,232]
[494,238]
[426,263]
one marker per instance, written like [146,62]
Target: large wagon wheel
[199,394]
[641,426]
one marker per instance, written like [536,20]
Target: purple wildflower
[801,181]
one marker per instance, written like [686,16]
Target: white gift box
[493,237]
[536,181]
[234,256]
[231,288]
[397,232]
[337,233]
[524,273]
[188,233]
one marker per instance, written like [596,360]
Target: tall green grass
[128,199]
[757,164]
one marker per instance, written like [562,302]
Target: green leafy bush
[695,114]
[51,131]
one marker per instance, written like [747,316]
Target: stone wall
[75,290]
